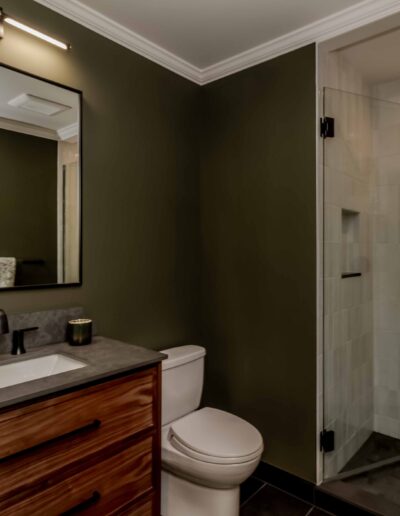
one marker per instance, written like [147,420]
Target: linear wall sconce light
[4,18]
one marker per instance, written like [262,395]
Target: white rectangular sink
[35,368]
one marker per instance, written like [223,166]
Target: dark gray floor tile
[319,512]
[270,501]
[249,488]
[378,447]
[384,482]
[364,501]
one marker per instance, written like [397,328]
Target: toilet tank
[182,381]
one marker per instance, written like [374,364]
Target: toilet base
[179,497]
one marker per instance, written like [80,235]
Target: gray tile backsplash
[51,323]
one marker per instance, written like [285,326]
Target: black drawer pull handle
[83,505]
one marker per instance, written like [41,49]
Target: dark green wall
[140,206]
[28,204]
[258,253]
[144,132]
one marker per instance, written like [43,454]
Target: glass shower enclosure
[361,282]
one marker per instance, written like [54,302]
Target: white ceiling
[204,40]
[204,32]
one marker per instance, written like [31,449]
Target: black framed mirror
[40,182]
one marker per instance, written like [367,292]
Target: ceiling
[208,31]
[208,39]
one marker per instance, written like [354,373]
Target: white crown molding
[321,30]
[343,21]
[112,30]
[69,131]
[30,129]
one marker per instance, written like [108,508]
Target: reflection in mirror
[40,181]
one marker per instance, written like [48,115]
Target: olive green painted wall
[259,253]
[28,204]
[247,292]
[140,206]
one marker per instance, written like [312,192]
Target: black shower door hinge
[327,127]
[327,440]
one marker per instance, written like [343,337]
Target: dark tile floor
[261,499]
[377,489]
[383,482]
[378,447]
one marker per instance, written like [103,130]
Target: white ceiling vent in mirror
[38,105]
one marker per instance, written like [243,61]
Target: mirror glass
[40,182]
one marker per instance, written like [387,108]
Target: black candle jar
[79,332]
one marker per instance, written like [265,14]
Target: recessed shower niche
[351,259]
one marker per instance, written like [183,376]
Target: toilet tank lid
[181,355]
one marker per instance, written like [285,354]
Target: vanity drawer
[143,508]
[126,404]
[103,488]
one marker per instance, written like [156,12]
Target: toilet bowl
[206,453]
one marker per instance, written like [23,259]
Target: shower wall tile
[388,346]
[388,136]
[387,316]
[387,258]
[332,295]
[387,402]
[387,426]
[386,281]
[333,224]
[348,309]
[386,285]
[386,376]
[387,168]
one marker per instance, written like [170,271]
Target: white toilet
[206,453]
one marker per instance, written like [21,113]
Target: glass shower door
[361,278]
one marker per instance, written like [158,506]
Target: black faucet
[18,347]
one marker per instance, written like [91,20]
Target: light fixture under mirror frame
[40,182]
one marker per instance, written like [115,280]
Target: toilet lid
[212,435]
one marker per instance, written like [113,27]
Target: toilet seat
[218,476]
[217,437]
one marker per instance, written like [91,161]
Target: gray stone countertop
[104,358]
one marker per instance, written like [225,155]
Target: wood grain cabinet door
[127,404]
[95,451]
[100,489]
[142,508]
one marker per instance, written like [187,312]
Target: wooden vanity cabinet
[94,451]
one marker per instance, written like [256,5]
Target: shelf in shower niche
[351,275]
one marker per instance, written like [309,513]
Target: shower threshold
[371,478]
